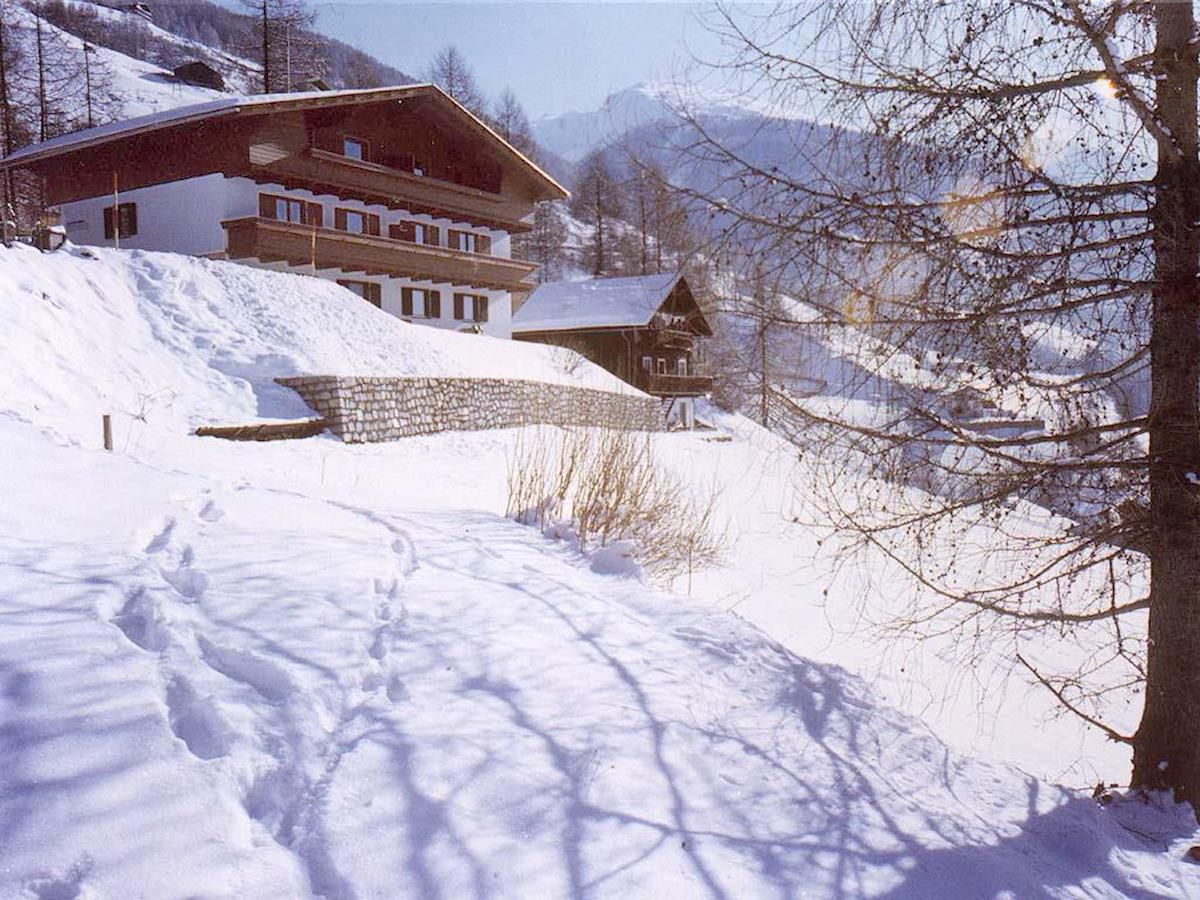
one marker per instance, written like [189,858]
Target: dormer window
[355,148]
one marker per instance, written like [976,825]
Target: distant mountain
[572,135]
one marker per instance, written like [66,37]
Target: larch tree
[1006,223]
[511,122]
[285,45]
[452,73]
[598,200]
[545,243]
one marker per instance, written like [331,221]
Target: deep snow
[310,669]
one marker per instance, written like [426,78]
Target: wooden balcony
[676,385]
[326,248]
[323,172]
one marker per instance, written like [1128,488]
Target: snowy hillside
[171,342]
[307,669]
[141,87]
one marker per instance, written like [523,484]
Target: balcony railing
[326,248]
[676,385]
[323,172]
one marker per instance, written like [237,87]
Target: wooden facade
[412,149]
[657,356]
[327,248]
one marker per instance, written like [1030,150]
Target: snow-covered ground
[310,669]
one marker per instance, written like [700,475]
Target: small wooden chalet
[643,329]
[200,74]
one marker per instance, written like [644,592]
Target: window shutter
[433,235]
[433,304]
[455,241]
[131,225]
[375,293]
[406,304]
[266,206]
[339,219]
[371,223]
[483,309]
[314,214]
[458,307]
[483,243]
[109,221]
[403,231]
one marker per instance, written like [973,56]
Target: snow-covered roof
[597,303]
[258,105]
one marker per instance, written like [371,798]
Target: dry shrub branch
[606,486]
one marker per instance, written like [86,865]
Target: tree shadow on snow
[823,805]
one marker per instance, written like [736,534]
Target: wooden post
[107,431]
[116,218]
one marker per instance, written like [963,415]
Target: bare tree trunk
[1167,743]
[43,104]
[87,83]
[266,49]
[8,201]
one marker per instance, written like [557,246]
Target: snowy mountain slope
[142,87]
[311,669]
[163,341]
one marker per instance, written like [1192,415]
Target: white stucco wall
[185,217]
[180,216]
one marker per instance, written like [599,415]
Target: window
[475,304]
[355,148]
[289,209]
[661,368]
[120,220]
[355,221]
[681,366]
[370,291]
[647,363]
[420,303]
[415,233]
[469,241]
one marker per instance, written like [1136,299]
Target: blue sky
[556,56]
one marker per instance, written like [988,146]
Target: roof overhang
[268,104]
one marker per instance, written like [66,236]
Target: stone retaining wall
[368,409]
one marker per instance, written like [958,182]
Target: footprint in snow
[69,886]
[161,539]
[189,583]
[195,722]
[138,622]
[210,512]
[270,681]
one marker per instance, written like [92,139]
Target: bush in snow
[605,491]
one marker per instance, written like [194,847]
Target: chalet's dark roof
[597,303]
[264,104]
[200,73]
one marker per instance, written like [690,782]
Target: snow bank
[169,342]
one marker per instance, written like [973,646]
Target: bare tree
[545,243]
[511,122]
[597,200]
[286,46]
[1008,228]
[452,73]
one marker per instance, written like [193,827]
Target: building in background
[643,329]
